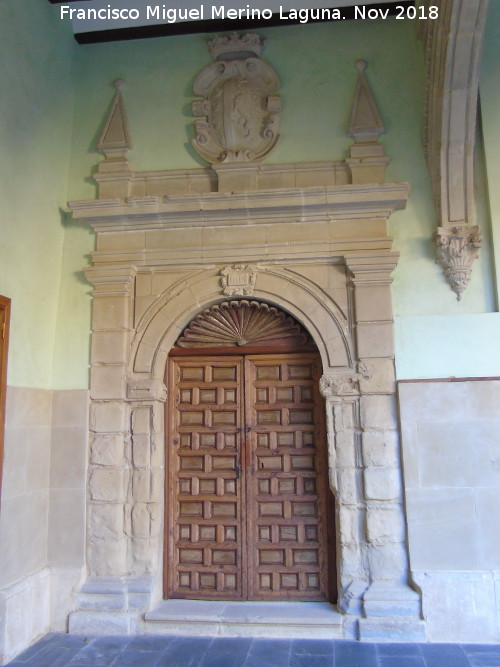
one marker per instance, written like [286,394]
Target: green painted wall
[36,107]
[316,97]
[316,67]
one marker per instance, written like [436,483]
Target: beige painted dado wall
[451,464]
[42,517]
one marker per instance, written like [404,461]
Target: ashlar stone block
[107,485]
[110,312]
[106,520]
[380,448]
[375,340]
[141,450]
[107,381]
[345,447]
[373,303]
[141,420]
[141,520]
[348,521]
[109,417]
[144,555]
[382,484]
[385,525]
[141,486]
[107,449]
[388,561]
[347,486]
[378,412]
[109,347]
[108,557]
[380,377]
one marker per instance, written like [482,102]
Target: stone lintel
[282,204]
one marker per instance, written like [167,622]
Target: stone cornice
[261,206]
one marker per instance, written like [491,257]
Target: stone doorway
[249,513]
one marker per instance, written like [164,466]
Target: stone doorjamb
[156,266]
[126,483]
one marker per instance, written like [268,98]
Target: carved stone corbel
[457,248]
[453,41]
[337,385]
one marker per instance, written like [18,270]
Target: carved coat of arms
[238,118]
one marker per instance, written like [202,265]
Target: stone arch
[162,323]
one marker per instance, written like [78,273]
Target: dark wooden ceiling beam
[213,25]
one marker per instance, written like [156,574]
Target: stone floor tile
[227,652]
[479,648]
[71,641]
[312,647]
[150,642]
[269,652]
[37,647]
[110,643]
[185,652]
[485,659]
[355,654]
[398,650]
[130,658]
[444,655]
[96,656]
[404,661]
[307,660]
[50,656]
[58,650]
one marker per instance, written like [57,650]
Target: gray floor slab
[58,650]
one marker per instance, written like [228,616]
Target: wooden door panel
[206,546]
[247,479]
[286,480]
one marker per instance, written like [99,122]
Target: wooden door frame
[5,305]
[329,501]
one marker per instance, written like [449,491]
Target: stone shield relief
[238,118]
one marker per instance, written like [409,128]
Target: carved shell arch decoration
[242,323]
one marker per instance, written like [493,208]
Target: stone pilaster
[109,472]
[341,393]
[390,607]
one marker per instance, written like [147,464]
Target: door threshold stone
[302,620]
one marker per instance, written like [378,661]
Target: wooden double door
[249,511]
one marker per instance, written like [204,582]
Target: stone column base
[112,606]
[392,613]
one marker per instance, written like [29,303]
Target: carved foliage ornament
[241,323]
[238,117]
[457,248]
[343,384]
[238,280]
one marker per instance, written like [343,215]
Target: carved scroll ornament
[238,280]
[238,117]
